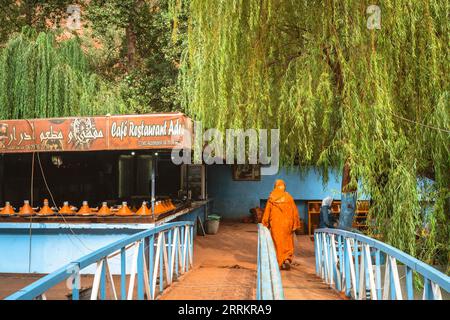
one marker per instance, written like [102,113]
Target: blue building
[233,199]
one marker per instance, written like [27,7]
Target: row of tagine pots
[26,210]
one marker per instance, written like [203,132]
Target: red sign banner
[148,131]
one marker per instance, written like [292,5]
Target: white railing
[159,255]
[351,263]
[269,285]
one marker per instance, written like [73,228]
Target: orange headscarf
[279,193]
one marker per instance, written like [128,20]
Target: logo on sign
[83,132]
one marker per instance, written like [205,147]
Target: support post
[123,274]
[153,188]
[347,258]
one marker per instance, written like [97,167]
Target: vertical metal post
[366,252]
[391,281]
[151,262]
[153,188]
[76,285]
[341,260]
[348,283]
[409,283]
[123,274]
[175,257]
[378,273]
[161,262]
[103,281]
[336,275]
[316,251]
[330,259]
[183,265]
[325,257]
[140,271]
[427,289]
[169,253]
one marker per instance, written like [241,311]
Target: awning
[123,132]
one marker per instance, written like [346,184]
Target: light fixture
[133,153]
[57,161]
[156,153]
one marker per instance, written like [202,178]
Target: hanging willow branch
[40,77]
[332,86]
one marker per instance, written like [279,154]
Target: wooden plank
[201,225]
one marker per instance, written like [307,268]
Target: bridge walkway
[225,269]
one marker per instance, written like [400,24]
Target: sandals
[286,265]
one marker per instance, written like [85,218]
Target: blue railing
[168,249]
[269,285]
[352,262]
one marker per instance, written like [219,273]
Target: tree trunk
[348,199]
[29,10]
[131,30]
[131,46]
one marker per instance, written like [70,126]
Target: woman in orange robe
[281,218]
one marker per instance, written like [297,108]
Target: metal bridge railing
[269,285]
[352,263]
[168,249]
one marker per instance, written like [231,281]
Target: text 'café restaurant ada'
[93,178]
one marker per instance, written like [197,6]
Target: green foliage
[151,85]
[338,92]
[40,77]
[15,14]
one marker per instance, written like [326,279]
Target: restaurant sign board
[123,132]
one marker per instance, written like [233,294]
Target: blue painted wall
[233,199]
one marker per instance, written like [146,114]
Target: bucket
[212,224]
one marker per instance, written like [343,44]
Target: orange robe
[281,218]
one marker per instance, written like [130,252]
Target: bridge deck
[225,268]
[301,282]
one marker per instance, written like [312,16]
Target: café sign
[148,131]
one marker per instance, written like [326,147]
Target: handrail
[269,284]
[345,259]
[170,247]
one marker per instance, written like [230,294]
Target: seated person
[327,220]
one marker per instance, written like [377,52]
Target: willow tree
[41,77]
[340,92]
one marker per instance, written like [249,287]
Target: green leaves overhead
[337,91]
[40,77]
